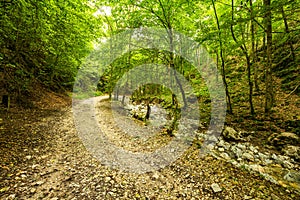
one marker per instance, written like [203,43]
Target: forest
[161,99]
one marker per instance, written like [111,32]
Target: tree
[222,60]
[245,52]
[44,42]
[269,97]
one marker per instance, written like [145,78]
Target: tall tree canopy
[253,42]
[44,42]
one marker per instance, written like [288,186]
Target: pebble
[12,196]
[155,176]
[221,149]
[262,156]
[241,146]
[292,176]
[274,156]
[248,156]
[216,188]
[107,179]
[267,161]
[236,150]
[246,197]
[28,157]
[226,145]
[287,164]
[253,149]
[38,183]
[274,197]
[225,156]
[32,190]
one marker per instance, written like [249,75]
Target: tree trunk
[287,31]
[229,107]
[244,50]
[254,55]
[269,96]
[173,67]
[6,101]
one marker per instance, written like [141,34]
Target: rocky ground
[42,157]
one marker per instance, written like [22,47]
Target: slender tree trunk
[244,50]
[287,31]
[269,96]
[229,107]
[110,88]
[128,65]
[217,61]
[254,55]
[173,67]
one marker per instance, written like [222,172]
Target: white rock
[155,176]
[293,151]
[231,134]
[216,188]
[221,149]
[28,157]
[292,176]
[253,149]
[287,164]
[12,196]
[225,156]
[248,156]
[246,197]
[238,152]
[262,156]
[224,144]
[32,190]
[107,179]
[257,168]
[267,161]
[241,146]
[274,156]
[39,183]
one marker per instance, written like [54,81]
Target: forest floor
[42,157]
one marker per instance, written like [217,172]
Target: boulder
[292,176]
[237,151]
[282,139]
[292,151]
[129,107]
[138,114]
[248,156]
[223,144]
[225,156]
[231,134]
[257,168]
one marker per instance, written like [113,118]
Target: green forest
[226,71]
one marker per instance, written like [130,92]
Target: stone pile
[137,111]
[281,168]
[158,115]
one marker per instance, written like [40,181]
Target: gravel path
[52,163]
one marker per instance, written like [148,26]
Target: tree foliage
[43,42]
[253,42]
[257,40]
